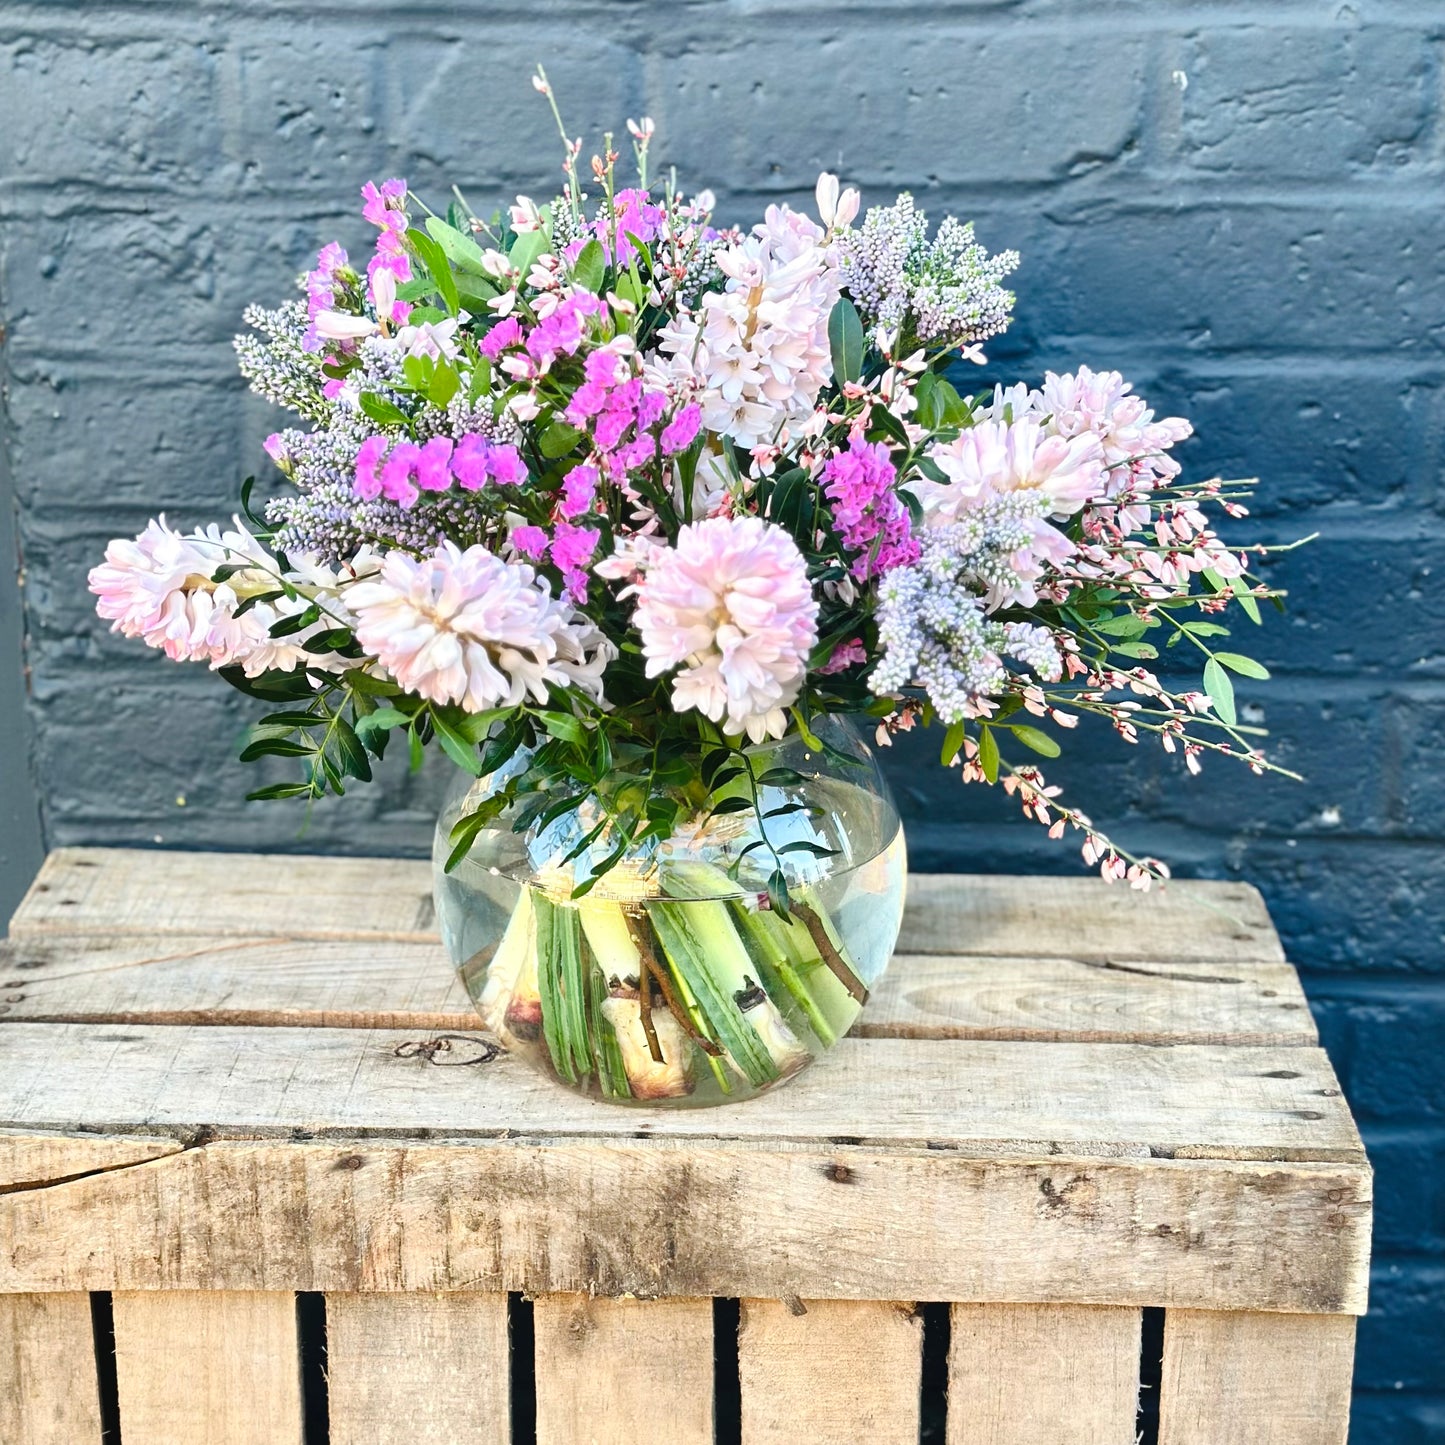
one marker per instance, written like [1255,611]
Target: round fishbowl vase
[680,974]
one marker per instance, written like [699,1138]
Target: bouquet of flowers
[610,502]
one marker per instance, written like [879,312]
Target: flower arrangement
[600,496]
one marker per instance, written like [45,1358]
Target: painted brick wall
[1240,205]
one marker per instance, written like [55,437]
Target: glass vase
[674,977]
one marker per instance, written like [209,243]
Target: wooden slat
[616,1372]
[152,893]
[48,1392]
[114,891]
[62,977]
[418,1367]
[1201,1101]
[850,1369]
[1023,1374]
[28,1159]
[1057,1000]
[1187,922]
[208,1368]
[745,1219]
[1255,1379]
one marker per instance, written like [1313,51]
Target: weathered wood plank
[1255,1379]
[114,891]
[418,1366]
[615,1372]
[62,977]
[836,1373]
[48,1392]
[153,892]
[1203,1101]
[1022,1374]
[206,1368]
[27,1159]
[742,1219]
[1187,922]
[1058,1000]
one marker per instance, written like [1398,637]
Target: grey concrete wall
[1238,204]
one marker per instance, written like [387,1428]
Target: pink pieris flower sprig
[598,485]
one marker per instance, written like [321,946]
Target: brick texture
[1238,205]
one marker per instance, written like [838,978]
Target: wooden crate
[226,1079]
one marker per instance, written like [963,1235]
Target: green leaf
[558,440]
[526,248]
[731,805]
[458,247]
[562,725]
[845,341]
[414,748]
[274,747]
[803,846]
[590,268]
[381,411]
[1145,650]
[988,753]
[445,383]
[353,756]
[1220,690]
[455,746]
[1244,666]
[778,894]
[952,743]
[807,734]
[780,778]
[1240,588]
[1035,738]
[279,790]
[435,260]
[1125,625]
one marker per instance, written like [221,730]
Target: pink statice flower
[385,205]
[845,655]
[530,541]
[579,492]
[505,334]
[367,484]
[870,516]
[678,434]
[505,466]
[433,469]
[731,607]
[469,461]
[636,215]
[469,628]
[571,550]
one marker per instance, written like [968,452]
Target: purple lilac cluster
[868,513]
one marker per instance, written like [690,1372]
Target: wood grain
[418,1367]
[1024,1374]
[328,983]
[48,1392]
[203,1368]
[28,1159]
[851,1370]
[137,892]
[1239,1378]
[1195,1100]
[616,1372]
[746,1219]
